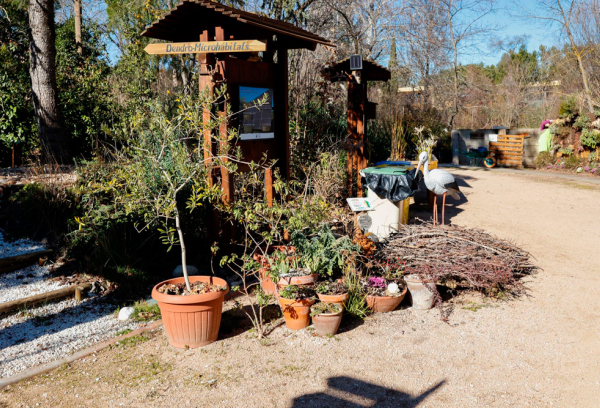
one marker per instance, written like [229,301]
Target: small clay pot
[384,304]
[191,321]
[423,296]
[327,324]
[266,283]
[296,312]
[340,299]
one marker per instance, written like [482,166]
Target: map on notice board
[359,204]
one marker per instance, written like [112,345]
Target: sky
[535,32]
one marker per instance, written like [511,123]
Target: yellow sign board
[207,47]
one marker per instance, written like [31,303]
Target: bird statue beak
[418,166]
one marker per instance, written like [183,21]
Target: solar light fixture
[356,62]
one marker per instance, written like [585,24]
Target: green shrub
[572,162]
[543,160]
[582,122]
[590,137]
[568,108]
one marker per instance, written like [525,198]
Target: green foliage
[145,312]
[17,122]
[590,137]
[572,162]
[295,292]
[84,90]
[544,159]
[566,151]
[325,308]
[582,122]
[323,253]
[568,108]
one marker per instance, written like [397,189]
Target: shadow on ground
[350,392]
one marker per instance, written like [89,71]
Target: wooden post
[269,186]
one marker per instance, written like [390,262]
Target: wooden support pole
[42,297]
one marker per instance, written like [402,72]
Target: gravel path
[18,247]
[50,331]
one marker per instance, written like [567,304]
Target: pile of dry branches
[457,256]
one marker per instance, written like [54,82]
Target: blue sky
[536,32]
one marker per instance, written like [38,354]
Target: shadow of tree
[351,392]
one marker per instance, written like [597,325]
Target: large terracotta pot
[191,321]
[327,324]
[340,299]
[384,304]
[296,312]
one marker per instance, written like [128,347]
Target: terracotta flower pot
[421,292]
[384,304]
[327,324]
[341,299]
[191,321]
[266,283]
[296,313]
[307,280]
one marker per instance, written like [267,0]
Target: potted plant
[326,317]
[159,174]
[287,269]
[332,292]
[383,296]
[261,255]
[295,302]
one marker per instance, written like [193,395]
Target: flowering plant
[376,282]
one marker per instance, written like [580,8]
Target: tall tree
[42,69]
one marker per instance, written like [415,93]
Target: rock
[125,313]
[178,272]
[151,302]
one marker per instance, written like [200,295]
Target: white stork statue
[439,182]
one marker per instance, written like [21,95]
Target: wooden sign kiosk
[360,110]
[247,53]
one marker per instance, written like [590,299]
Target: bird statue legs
[434,209]
[443,207]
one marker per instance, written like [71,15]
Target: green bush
[568,108]
[590,137]
[572,162]
[543,160]
[582,122]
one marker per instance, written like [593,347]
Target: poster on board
[256,120]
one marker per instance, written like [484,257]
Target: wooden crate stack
[508,150]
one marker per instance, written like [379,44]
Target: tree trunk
[78,27]
[42,69]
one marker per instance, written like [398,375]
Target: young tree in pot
[163,166]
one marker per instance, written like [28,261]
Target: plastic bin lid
[391,170]
[392,163]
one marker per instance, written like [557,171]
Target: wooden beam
[269,186]
[42,297]
[13,263]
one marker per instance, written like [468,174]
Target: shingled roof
[186,21]
[371,71]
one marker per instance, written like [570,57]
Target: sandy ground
[542,350]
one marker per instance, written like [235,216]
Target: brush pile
[456,256]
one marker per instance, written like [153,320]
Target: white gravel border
[47,332]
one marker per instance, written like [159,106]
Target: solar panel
[356,62]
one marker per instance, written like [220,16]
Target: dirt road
[542,350]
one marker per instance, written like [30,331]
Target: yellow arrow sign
[207,47]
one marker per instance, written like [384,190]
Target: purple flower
[549,166]
[592,170]
[376,282]
[587,168]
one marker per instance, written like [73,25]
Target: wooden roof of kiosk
[190,18]
[360,110]
[207,21]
